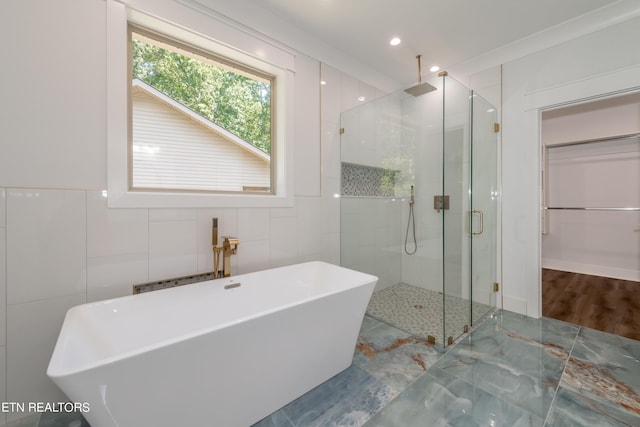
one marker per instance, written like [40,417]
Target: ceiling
[445,32]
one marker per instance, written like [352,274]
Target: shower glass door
[469,224]
[456,161]
[484,208]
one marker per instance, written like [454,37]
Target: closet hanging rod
[589,141]
[591,209]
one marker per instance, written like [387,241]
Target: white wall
[602,62]
[61,243]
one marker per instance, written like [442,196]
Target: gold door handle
[477,212]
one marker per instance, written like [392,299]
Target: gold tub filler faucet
[229,247]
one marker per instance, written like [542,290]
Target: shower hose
[411,222]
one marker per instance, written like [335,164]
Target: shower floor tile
[419,311]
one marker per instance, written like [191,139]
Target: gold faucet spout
[229,247]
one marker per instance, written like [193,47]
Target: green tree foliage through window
[240,104]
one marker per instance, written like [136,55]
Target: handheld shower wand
[411,221]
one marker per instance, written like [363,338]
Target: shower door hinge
[496,287]
[496,127]
[341,131]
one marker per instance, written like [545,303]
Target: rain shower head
[422,87]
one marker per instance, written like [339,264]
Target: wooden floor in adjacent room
[605,304]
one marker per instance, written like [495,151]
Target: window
[186,177]
[199,122]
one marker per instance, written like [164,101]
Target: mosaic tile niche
[367,181]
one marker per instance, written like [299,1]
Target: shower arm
[419,69]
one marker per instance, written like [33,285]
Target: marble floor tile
[571,409]
[550,333]
[441,399]
[393,356]
[515,358]
[606,368]
[511,370]
[348,399]
[277,419]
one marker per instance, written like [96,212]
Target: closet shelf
[590,209]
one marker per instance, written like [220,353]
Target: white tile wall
[3,287]
[46,237]
[117,248]
[173,243]
[331,248]
[3,206]
[112,232]
[330,209]
[307,152]
[31,336]
[253,255]
[330,151]
[253,224]
[66,148]
[349,92]
[286,212]
[310,223]
[331,93]
[114,276]
[3,380]
[284,240]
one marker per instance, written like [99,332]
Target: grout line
[564,368]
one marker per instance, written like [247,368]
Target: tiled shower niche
[367,181]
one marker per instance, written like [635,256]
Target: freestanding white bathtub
[226,352]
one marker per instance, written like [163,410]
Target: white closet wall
[602,172]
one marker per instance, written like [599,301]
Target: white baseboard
[594,270]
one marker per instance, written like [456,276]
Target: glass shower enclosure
[419,207]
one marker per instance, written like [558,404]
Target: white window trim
[209,32]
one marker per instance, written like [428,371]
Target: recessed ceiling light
[322,82]
[395,41]
[362,98]
[434,68]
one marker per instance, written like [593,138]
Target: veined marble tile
[441,399]
[348,399]
[573,409]
[550,333]
[277,419]
[606,368]
[393,356]
[515,358]
[62,420]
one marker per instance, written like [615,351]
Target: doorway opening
[591,214]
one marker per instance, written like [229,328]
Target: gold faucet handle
[228,241]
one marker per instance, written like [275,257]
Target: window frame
[204,31]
